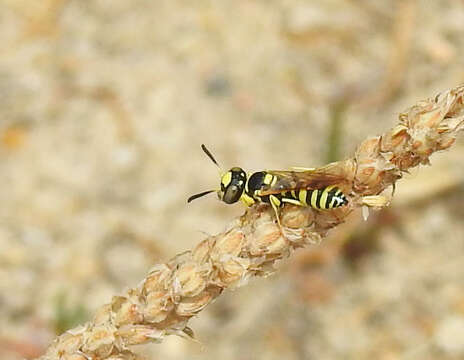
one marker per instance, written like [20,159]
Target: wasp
[316,188]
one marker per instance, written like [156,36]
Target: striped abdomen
[326,198]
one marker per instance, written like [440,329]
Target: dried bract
[174,292]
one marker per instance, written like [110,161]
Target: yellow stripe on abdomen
[302,197]
[314,199]
[332,202]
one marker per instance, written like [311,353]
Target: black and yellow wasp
[317,188]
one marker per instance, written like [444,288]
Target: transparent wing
[309,180]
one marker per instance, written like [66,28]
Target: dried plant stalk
[175,291]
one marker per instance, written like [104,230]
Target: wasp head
[232,185]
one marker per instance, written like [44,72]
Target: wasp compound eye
[232,194]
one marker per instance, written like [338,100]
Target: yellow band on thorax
[268,179]
[247,200]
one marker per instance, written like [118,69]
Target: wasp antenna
[207,152]
[196,196]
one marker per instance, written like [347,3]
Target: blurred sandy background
[103,107]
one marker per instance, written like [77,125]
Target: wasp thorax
[232,185]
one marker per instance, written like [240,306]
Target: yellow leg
[293,201]
[300,168]
[275,203]
[375,201]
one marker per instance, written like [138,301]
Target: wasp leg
[375,201]
[300,168]
[275,203]
[292,201]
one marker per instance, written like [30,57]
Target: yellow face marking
[302,197]
[292,201]
[268,179]
[314,199]
[226,178]
[247,200]
[293,193]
